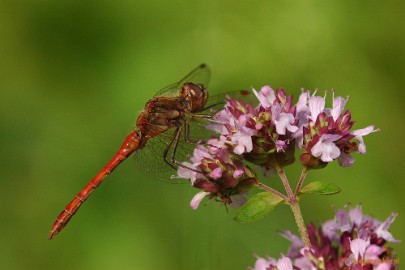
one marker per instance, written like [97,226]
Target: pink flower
[351,239]
[195,202]
[325,148]
[266,96]
[327,135]
[359,133]
[316,106]
[219,173]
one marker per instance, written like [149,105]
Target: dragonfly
[161,127]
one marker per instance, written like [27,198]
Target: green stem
[301,181]
[286,184]
[295,207]
[293,202]
[269,189]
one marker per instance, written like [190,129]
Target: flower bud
[311,162]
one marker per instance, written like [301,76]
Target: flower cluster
[327,134]
[351,240]
[220,174]
[263,134]
[268,134]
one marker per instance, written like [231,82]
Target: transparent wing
[199,75]
[217,102]
[198,126]
[150,161]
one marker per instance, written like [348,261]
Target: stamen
[308,93]
[315,91]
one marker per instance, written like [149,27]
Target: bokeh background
[75,74]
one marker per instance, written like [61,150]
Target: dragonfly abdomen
[132,143]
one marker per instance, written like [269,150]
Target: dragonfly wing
[199,75]
[150,160]
[169,91]
[216,102]
[198,125]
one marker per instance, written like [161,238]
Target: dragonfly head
[196,96]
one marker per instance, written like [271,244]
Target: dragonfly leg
[187,133]
[175,138]
[203,116]
[173,162]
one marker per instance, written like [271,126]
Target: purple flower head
[219,173]
[264,134]
[327,135]
[351,240]
[267,134]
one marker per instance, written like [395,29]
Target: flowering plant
[267,136]
[351,240]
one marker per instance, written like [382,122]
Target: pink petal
[243,141]
[238,173]
[359,133]
[216,173]
[358,247]
[266,96]
[329,229]
[302,105]
[283,123]
[284,264]
[196,200]
[262,264]
[316,106]
[345,160]
[373,252]
[338,106]
[356,215]
[382,229]
[327,151]
[383,266]
[186,173]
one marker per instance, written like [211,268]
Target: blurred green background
[75,74]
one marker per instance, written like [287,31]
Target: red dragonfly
[165,118]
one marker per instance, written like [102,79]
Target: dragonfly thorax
[196,96]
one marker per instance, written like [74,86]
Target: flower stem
[293,202]
[300,223]
[301,181]
[286,184]
[269,189]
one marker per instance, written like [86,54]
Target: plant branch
[293,202]
[301,181]
[269,189]
[300,223]
[286,184]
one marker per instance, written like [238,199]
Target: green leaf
[257,207]
[320,188]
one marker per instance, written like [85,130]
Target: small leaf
[320,188]
[257,207]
